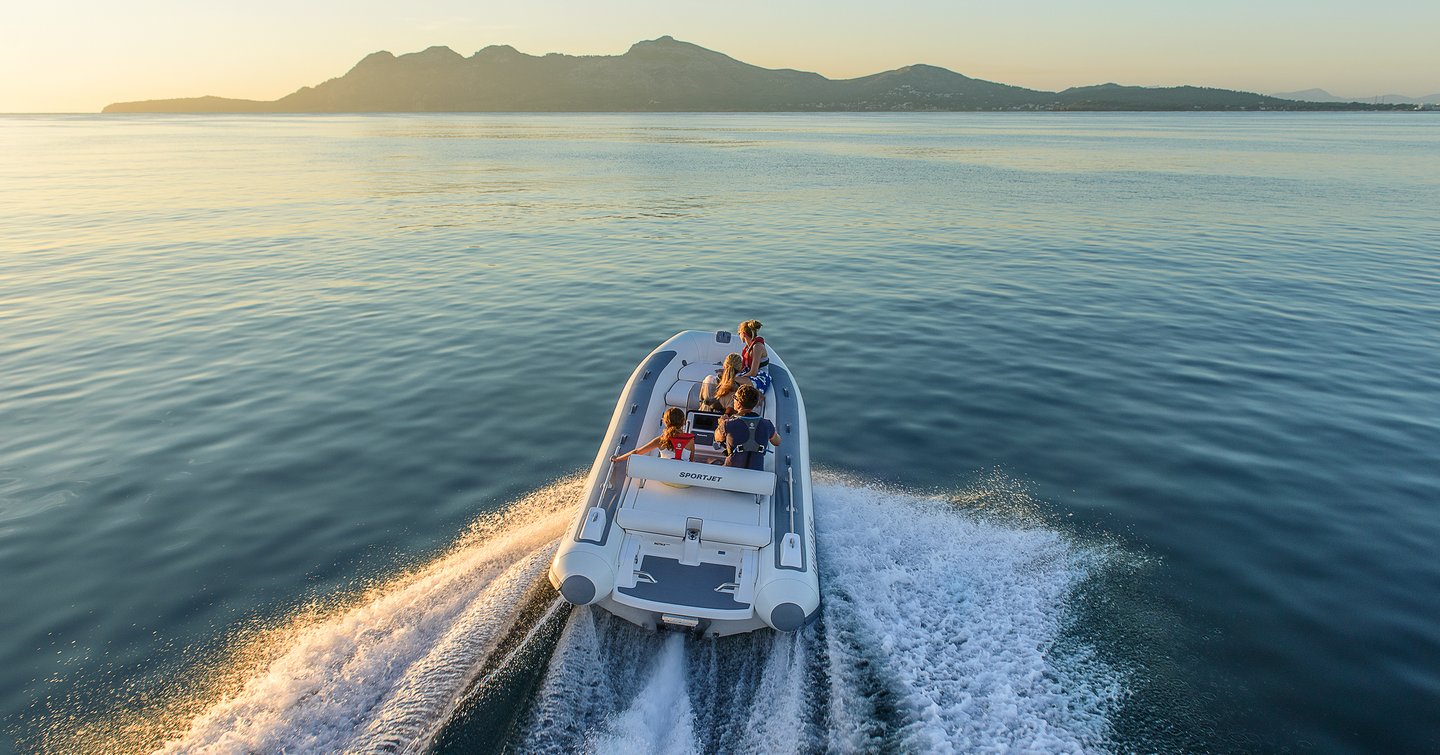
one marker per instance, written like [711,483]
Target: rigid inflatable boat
[689,544]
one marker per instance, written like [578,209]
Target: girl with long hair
[715,394]
[672,439]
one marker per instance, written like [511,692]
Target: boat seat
[684,394]
[735,479]
[753,535]
[665,523]
[697,371]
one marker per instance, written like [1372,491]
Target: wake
[940,631]
[384,675]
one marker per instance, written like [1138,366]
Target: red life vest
[679,441]
[746,357]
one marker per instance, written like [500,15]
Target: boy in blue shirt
[745,433]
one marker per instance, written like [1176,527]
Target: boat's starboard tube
[786,603]
[787,594]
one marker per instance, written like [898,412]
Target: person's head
[733,365]
[674,419]
[749,329]
[746,397]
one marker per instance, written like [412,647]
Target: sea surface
[1129,427]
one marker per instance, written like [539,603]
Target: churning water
[943,629]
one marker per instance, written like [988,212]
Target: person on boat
[672,440]
[746,433]
[755,358]
[717,394]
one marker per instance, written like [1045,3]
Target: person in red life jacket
[746,433]
[673,440]
[716,395]
[755,358]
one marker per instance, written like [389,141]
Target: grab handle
[610,470]
[790,483]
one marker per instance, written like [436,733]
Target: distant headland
[668,75]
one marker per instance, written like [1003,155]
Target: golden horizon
[273,50]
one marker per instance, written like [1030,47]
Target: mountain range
[669,75]
[1320,95]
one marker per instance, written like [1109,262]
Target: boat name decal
[706,477]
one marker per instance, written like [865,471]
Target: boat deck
[705,585]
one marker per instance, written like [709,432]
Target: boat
[692,544]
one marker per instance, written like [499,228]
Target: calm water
[1130,423]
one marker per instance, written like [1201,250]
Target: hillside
[672,76]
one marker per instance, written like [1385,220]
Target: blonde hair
[749,328]
[733,365]
[674,419]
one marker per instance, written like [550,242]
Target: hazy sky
[79,55]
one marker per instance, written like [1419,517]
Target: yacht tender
[664,542]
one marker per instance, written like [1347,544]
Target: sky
[79,55]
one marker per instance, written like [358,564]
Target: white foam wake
[380,676]
[940,632]
[659,719]
[957,618]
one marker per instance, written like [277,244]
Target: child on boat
[672,440]
[716,395]
[746,433]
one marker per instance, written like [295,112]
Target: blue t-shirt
[737,431]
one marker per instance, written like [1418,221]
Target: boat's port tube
[586,579]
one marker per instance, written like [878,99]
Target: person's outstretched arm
[645,449]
